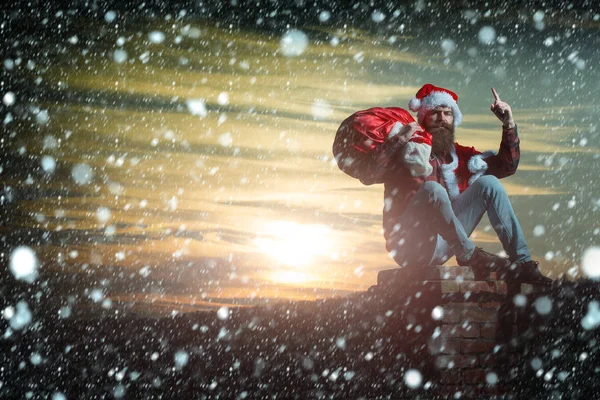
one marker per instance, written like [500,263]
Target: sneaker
[483,261]
[528,272]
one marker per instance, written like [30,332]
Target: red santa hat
[430,97]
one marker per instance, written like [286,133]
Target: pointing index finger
[496,97]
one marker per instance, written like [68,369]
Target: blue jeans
[433,228]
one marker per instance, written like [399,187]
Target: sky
[175,161]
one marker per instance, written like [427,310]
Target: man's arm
[504,163]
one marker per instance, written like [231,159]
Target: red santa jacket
[466,166]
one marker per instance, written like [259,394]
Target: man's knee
[435,192]
[490,185]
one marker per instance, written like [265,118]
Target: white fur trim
[395,129]
[477,165]
[435,99]
[416,158]
[450,176]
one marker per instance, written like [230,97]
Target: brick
[479,315]
[475,346]
[450,287]
[450,391]
[489,304]
[478,287]
[450,346]
[460,330]
[452,312]
[501,287]
[481,304]
[452,273]
[451,376]
[437,286]
[486,275]
[529,288]
[474,376]
[402,276]
[434,273]
[488,360]
[488,331]
[450,330]
[457,361]
[443,345]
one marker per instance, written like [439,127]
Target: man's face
[440,123]
[438,117]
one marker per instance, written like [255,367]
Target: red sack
[359,135]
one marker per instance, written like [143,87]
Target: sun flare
[295,245]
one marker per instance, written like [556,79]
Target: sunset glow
[293,244]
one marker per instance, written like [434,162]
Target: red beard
[442,139]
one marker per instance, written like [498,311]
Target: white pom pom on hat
[430,97]
[414,104]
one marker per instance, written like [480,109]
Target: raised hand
[503,111]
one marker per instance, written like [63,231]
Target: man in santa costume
[427,219]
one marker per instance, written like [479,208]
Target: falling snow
[293,43]
[181,359]
[324,16]
[592,319]
[156,37]
[197,107]
[413,378]
[437,313]
[321,109]
[48,164]
[9,99]
[223,313]
[172,210]
[487,35]
[120,56]
[110,16]
[543,305]
[21,317]
[82,174]
[24,264]
[590,262]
